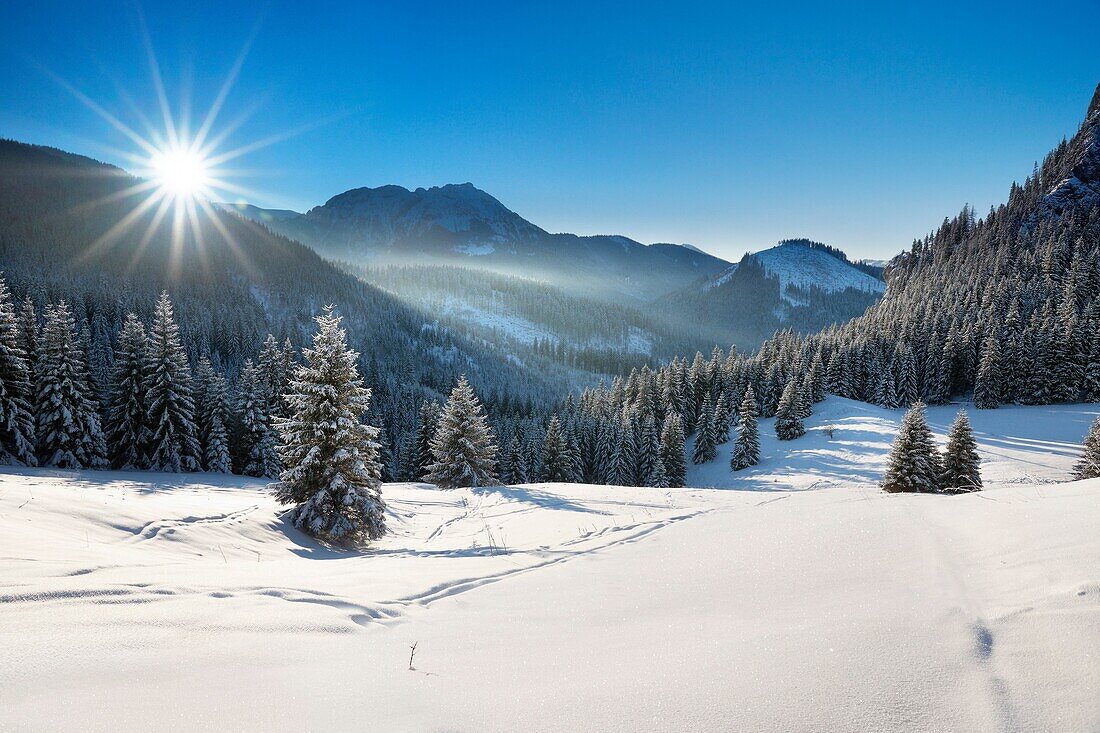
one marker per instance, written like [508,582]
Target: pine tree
[260,438]
[987,386]
[558,463]
[746,452]
[512,468]
[127,423]
[626,456]
[214,418]
[704,449]
[68,430]
[914,462]
[1088,466]
[788,420]
[960,460]
[723,413]
[331,457]
[421,457]
[672,451]
[464,448]
[649,448]
[174,446]
[16,420]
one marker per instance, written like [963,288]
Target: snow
[187,601]
[805,267]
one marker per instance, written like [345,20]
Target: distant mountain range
[459,224]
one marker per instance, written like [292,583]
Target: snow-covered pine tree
[914,462]
[649,448]
[672,451]
[987,386]
[1088,466]
[421,458]
[272,372]
[960,460]
[723,413]
[623,468]
[16,420]
[173,445]
[788,420]
[746,451]
[464,448]
[260,437]
[558,463]
[127,414]
[1091,379]
[68,430]
[331,457]
[28,334]
[214,419]
[511,466]
[704,449]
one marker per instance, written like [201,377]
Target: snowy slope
[804,267]
[186,600]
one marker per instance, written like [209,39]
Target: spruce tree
[1088,466]
[214,414]
[788,420]
[463,447]
[623,468]
[960,460]
[746,452]
[512,469]
[332,469]
[68,430]
[649,448]
[421,457]
[260,439]
[558,463]
[704,449]
[173,446]
[672,451]
[914,462]
[723,413]
[987,387]
[127,414]
[16,420]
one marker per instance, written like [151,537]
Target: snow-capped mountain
[800,265]
[461,224]
[798,284]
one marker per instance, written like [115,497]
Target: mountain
[232,282]
[798,284]
[459,224]
[255,213]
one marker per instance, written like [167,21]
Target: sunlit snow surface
[798,598]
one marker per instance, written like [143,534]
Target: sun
[182,173]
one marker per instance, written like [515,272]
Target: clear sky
[721,126]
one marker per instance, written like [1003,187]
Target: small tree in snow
[421,457]
[960,460]
[788,416]
[746,452]
[464,448]
[914,463]
[1089,464]
[331,458]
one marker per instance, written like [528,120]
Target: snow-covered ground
[186,602]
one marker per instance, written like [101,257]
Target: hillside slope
[796,284]
[174,598]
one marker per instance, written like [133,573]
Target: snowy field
[796,596]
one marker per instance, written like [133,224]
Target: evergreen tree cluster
[917,466]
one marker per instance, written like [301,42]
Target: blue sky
[721,126]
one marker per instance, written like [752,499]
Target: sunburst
[181,174]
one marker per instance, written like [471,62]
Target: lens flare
[182,173]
